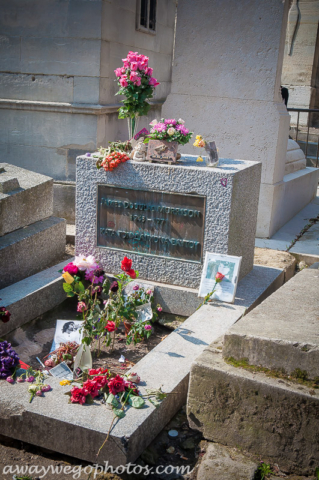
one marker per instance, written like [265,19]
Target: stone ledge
[80,108]
[39,245]
[281,332]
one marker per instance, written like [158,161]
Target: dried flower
[82,307]
[4,314]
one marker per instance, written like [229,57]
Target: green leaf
[67,287]
[136,402]
[119,413]
[70,294]
[79,287]
[112,400]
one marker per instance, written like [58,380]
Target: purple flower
[148,327]
[136,287]
[88,154]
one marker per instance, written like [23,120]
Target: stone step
[282,332]
[25,199]
[29,250]
[32,297]
[265,416]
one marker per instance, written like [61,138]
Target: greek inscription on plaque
[145,222]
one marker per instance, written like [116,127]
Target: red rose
[100,381]
[71,269]
[110,326]
[132,387]
[78,395]
[131,273]
[93,371]
[91,388]
[126,264]
[4,314]
[219,277]
[116,385]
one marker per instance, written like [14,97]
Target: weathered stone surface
[32,296]
[282,332]
[265,416]
[224,463]
[25,197]
[31,249]
[230,219]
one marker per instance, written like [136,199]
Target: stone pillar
[300,64]
[226,86]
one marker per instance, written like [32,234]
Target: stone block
[10,53]
[223,463]
[27,197]
[50,88]
[64,201]
[32,297]
[55,19]
[295,166]
[268,417]
[67,56]
[28,250]
[276,335]
[86,90]
[225,231]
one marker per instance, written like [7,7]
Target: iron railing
[308,111]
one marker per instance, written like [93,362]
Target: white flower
[154,122]
[85,263]
[181,121]
[171,131]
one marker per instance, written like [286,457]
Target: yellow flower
[198,137]
[65,382]
[67,277]
[199,159]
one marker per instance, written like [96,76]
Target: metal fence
[310,148]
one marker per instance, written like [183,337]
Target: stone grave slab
[165,217]
[80,431]
[25,197]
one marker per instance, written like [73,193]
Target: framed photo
[228,266]
[67,331]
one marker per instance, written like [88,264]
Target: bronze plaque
[151,223]
[162,151]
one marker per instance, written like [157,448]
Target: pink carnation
[118,72]
[134,66]
[133,76]
[159,127]
[149,71]
[138,81]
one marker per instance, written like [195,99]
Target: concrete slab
[268,417]
[282,332]
[32,296]
[82,430]
[25,197]
[39,245]
[224,463]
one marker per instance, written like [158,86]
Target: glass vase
[212,157]
[83,359]
[132,126]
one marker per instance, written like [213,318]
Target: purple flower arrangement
[8,360]
[170,130]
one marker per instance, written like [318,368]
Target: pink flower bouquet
[170,130]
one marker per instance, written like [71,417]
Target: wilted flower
[136,287]
[82,307]
[114,287]
[65,382]
[10,380]
[4,314]
[133,377]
